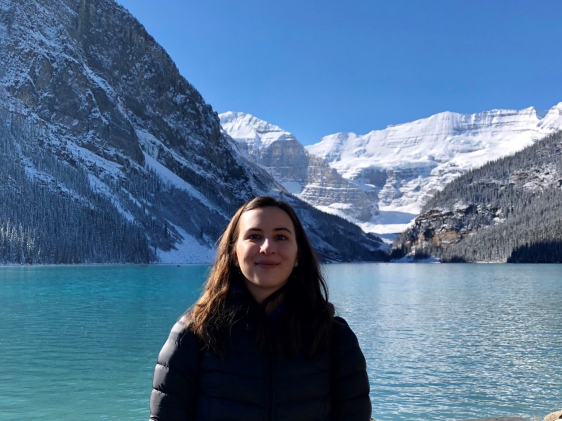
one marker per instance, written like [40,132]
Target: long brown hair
[308,315]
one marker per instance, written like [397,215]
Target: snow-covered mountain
[302,174]
[398,168]
[107,154]
[408,163]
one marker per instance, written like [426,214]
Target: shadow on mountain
[393,217]
[541,252]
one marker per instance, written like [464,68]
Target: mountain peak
[308,177]
[552,119]
[246,128]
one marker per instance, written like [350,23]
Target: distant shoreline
[10,265]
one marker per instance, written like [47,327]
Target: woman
[262,342]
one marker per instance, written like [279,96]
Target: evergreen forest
[509,210]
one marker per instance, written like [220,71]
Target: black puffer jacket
[254,385]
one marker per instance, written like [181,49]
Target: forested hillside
[509,210]
[50,214]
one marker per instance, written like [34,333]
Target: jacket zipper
[270,387]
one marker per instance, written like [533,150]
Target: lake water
[442,342]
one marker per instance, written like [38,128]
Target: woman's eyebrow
[282,229]
[274,229]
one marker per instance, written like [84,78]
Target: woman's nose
[267,246]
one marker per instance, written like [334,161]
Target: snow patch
[187,251]
[173,179]
[151,146]
[101,82]
[100,187]
[91,160]
[47,180]
[410,259]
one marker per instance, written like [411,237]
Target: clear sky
[317,67]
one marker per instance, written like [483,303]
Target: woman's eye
[254,237]
[281,237]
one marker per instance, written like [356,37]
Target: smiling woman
[262,342]
[266,250]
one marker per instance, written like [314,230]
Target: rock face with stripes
[408,163]
[305,175]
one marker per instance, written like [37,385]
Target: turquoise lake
[442,342]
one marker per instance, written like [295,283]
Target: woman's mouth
[267,265]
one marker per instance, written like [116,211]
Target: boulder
[554,416]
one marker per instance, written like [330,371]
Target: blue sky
[317,67]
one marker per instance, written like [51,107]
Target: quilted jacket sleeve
[349,381]
[174,393]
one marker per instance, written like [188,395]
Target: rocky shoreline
[550,417]
[498,419]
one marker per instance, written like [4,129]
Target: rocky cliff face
[302,174]
[442,228]
[89,87]
[89,69]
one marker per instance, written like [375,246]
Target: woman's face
[266,250]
